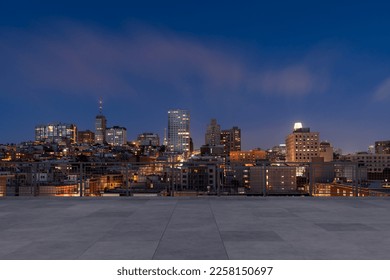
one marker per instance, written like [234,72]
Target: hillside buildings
[56,133]
[116,136]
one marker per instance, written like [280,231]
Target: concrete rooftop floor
[195,228]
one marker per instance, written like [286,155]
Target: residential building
[231,139]
[326,151]
[148,139]
[302,145]
[116,136]
[377,165]
[85,137]
[382,147]
[248,156]
[273,179]
[56,133]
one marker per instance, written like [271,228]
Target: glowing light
[297,125]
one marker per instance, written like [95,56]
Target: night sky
[259,65]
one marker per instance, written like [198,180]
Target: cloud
[382,92]
[78,59]
[292,80]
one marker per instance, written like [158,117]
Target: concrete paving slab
[194,228]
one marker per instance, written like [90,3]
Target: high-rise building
[213,134]
[302,145]
[116,136]
[231,139]
[179,131]
[100,126]
[56,132]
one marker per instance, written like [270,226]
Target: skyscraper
[179,131]
[213,134]
[100,126]
[231,139]
[302,145]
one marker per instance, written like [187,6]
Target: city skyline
[261,67]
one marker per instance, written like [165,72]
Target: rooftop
[194,228]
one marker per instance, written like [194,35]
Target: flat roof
[194,228]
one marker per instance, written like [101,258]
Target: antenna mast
[100,106]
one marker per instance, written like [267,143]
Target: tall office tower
[302,145]
[382,147]
[213,134]
[231,139]
[55,133]
[179,131]
[100,126]
[116,136]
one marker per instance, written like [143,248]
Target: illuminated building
[100,126]
[85,137]
[382,147]
[275,179]
[55,133]
[247,156]
[179,131]
[231,139]
[213,134]
[302,145]
[116,136]
[148,139]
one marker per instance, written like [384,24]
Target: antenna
[165,137]
[100,106]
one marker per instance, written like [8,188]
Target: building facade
[100,129]
[248,156]
[116,136]
[231,139]
[55,133]
[85,137]
[213,134]
[179,139]
[148,139]
[382,147]
[326,151]
[302,145]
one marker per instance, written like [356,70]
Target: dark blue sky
[260,65]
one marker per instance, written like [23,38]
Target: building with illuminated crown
[302,145]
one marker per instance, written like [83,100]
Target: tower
[179,131]
[213,134]
[100,125]
[231,139]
